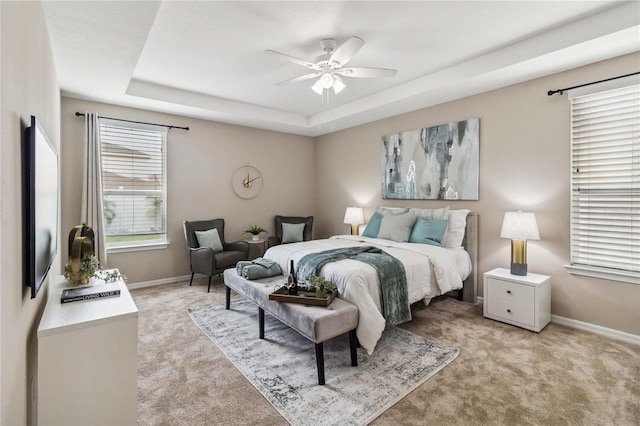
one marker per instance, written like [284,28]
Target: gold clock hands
[247,181]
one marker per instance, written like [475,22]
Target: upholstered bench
[316,323]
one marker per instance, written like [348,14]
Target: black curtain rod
[561,91]
[80,114]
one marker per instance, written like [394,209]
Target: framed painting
[432,163]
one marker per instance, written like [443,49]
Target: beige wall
[29,87]
[524,164]
[200,164]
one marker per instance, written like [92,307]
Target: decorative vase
[255,237]
[81,246]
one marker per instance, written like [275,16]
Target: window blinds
[605,179]
[134,183]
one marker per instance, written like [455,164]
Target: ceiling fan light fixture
[326,80]
[317,87]
[338,85]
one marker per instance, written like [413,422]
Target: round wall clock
[247,182]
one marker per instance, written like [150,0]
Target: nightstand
[523,301]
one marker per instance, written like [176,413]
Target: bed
[430,270]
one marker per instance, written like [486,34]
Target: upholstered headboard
[470,243]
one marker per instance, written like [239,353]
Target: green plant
[254,230]
[322,285]
[109,276]
[89,267]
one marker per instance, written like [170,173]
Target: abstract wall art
[432,163]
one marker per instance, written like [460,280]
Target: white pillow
[391,210]
[292,232]
[210,239]
[397,227]
[431,214]
[455,228]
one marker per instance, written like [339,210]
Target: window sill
[607,274]
[141,247]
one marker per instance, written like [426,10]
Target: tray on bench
[303,297]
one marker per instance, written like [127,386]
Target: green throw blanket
[393,279]
[258,268]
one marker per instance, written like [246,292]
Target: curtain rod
[80,114]
[561,91]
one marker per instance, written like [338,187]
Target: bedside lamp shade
[354,216]
[519,227]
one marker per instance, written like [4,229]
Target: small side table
[261,241]
[523,301]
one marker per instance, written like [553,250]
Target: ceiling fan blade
[347,50]
[295,60]
[300,78]
[364,72]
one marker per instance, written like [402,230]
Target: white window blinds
[605,179]
[134,183]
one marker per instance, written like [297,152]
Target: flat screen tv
[40,193]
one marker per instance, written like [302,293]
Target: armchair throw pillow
[292,232]
[209,238]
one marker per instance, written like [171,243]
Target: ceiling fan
[330,67]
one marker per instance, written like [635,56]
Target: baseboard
[162,281]
[597,329]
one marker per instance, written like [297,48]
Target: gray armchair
[279,220]
[204,260]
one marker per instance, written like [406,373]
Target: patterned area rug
[283,366]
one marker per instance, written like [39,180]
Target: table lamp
[354,216]
[519,227]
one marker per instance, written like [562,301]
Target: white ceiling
[207,59]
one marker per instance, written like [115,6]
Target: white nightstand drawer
[509,291]
[511,301]
[524,301]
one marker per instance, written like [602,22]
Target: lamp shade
[520,226]
[354,216]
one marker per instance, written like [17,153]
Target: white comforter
[431,271]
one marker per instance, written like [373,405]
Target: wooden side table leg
[320,362]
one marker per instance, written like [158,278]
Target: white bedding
[431,271]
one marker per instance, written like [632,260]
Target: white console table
[87,359]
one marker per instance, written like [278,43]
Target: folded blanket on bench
[258,268]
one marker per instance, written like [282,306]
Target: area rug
[282,366]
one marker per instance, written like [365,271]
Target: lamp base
[355,229]
[519,269]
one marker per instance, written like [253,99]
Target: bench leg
[353,343]
[227,302]
[320,362]
[261,322]
[191,282]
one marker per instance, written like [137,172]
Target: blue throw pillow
[373,227]
[428,232]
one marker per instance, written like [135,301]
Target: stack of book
[90,292]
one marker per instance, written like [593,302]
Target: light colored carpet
[282,366]
[504,375]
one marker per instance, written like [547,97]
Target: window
[134,184]
[605,182]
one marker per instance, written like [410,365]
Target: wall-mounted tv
[40,194]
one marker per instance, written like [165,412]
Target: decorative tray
[303,297]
